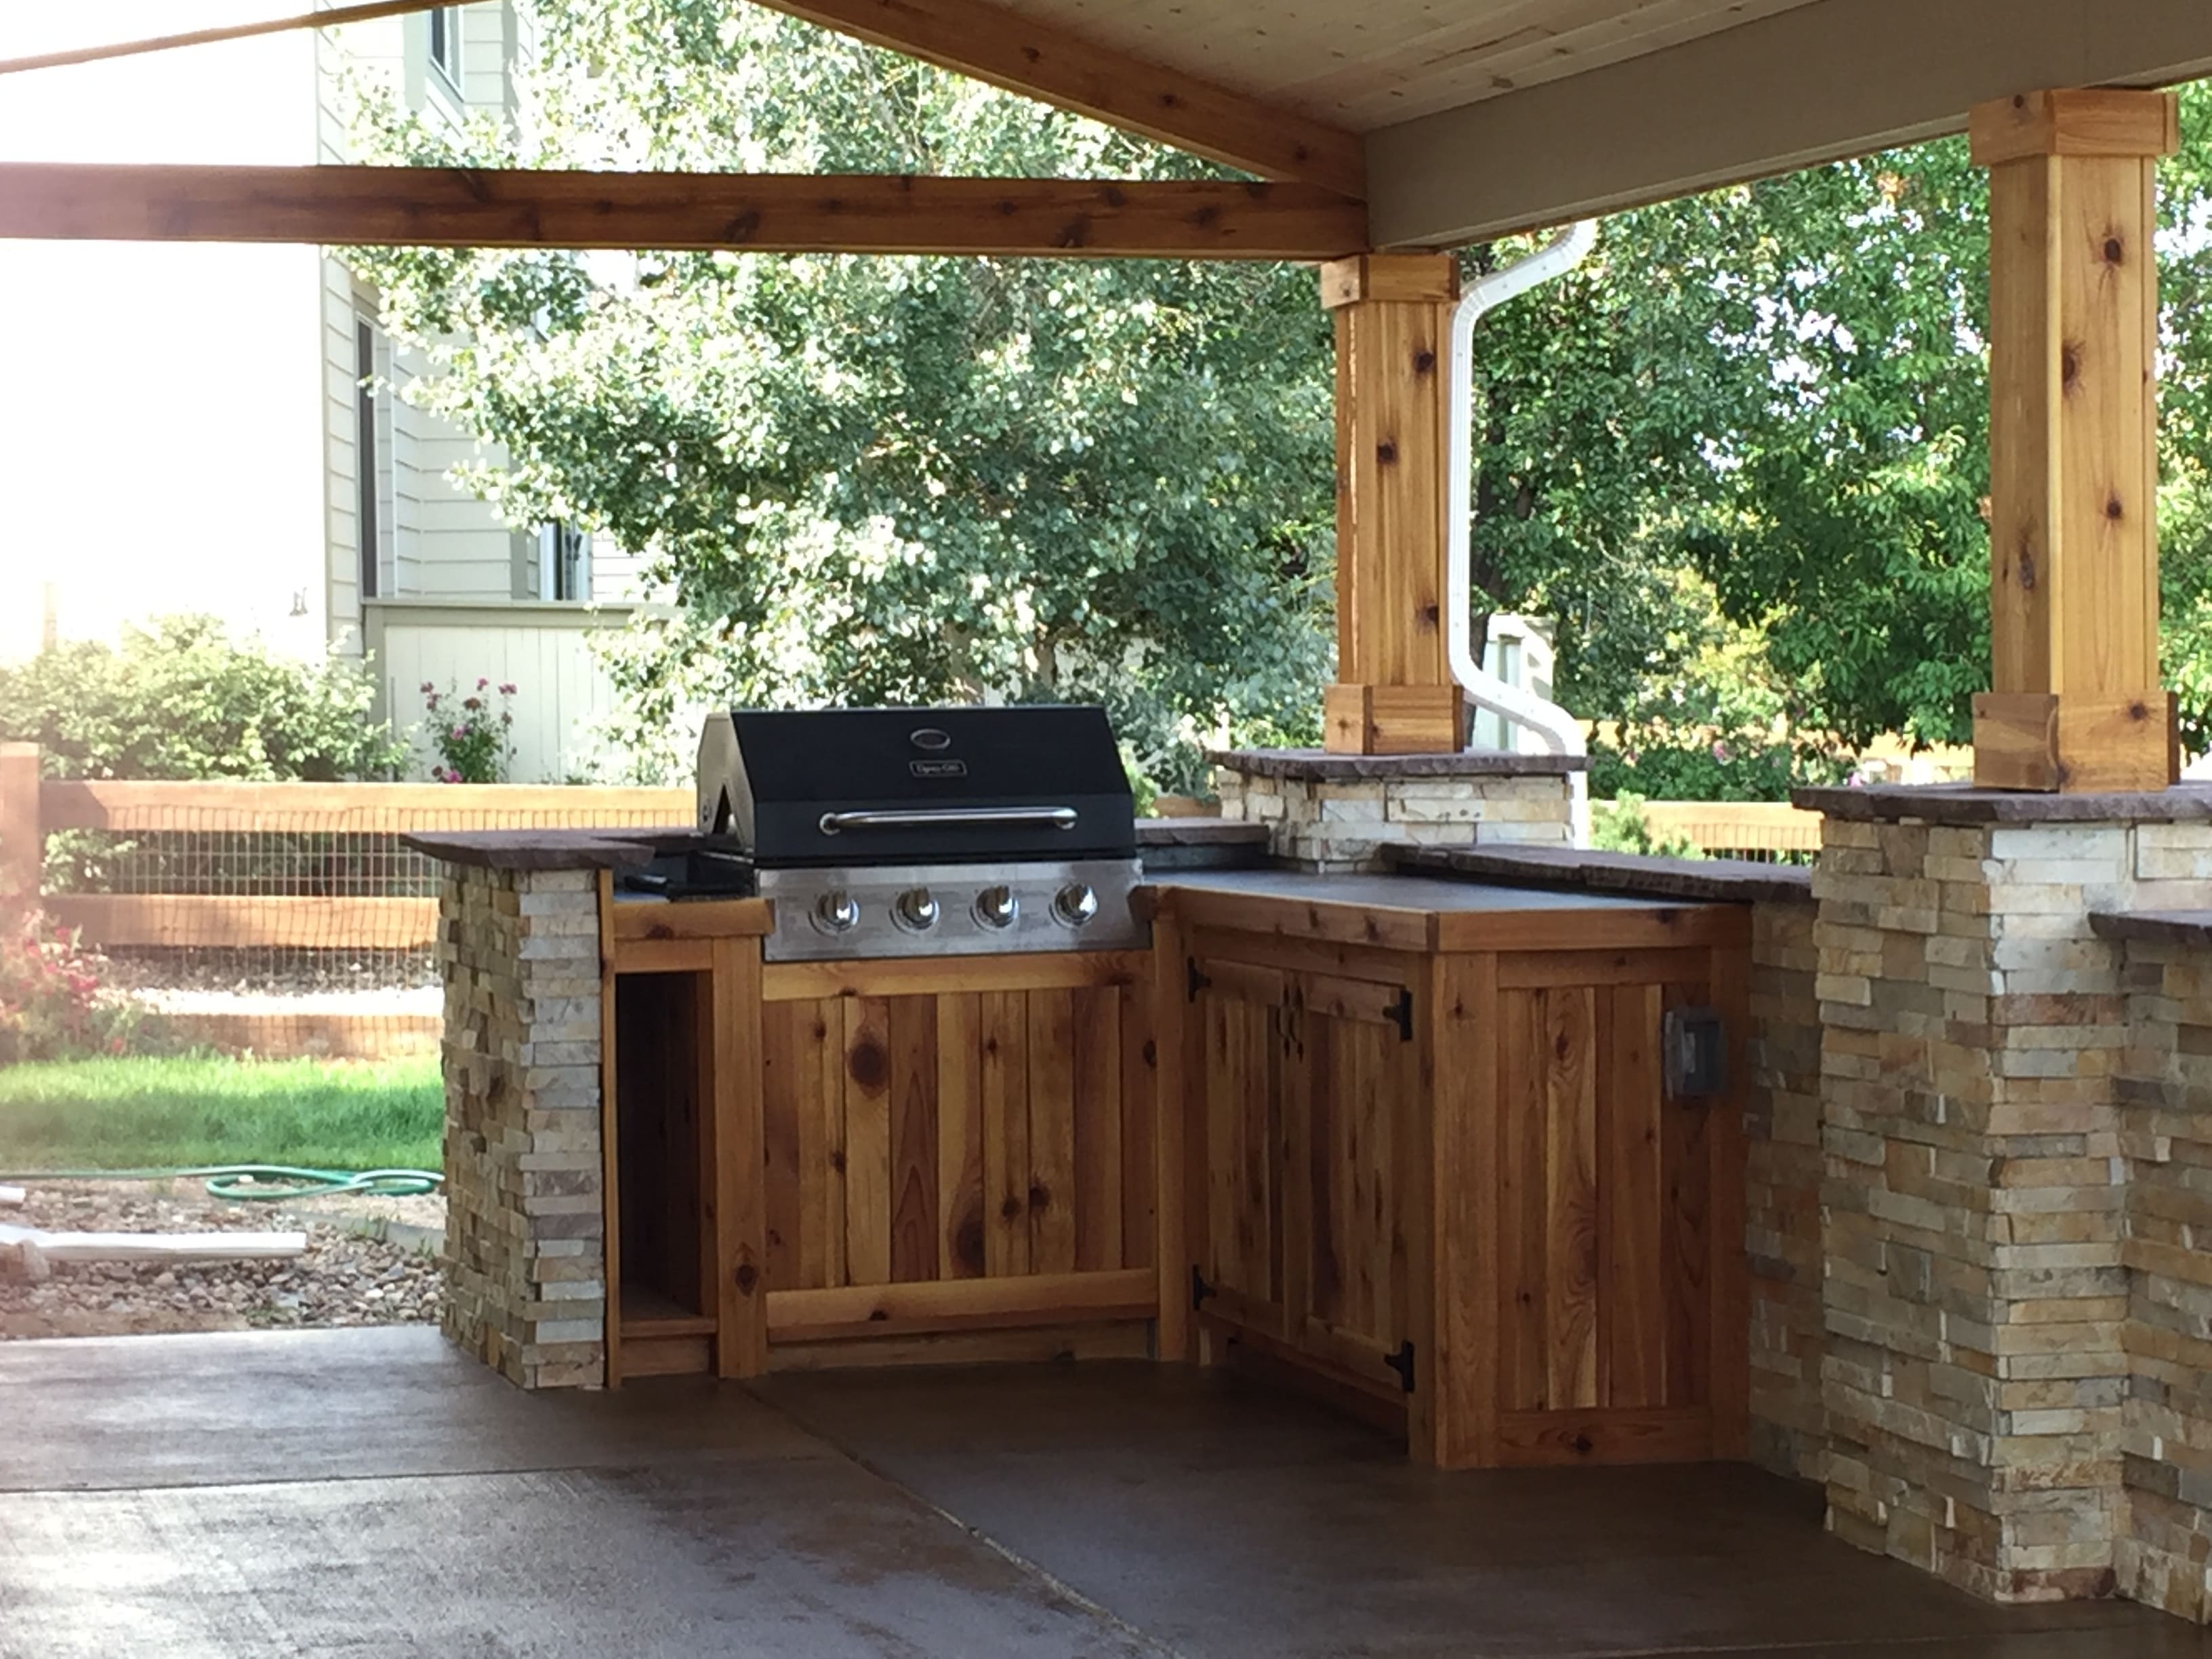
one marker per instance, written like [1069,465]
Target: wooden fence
[1733,828]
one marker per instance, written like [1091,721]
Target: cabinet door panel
[1242,1055]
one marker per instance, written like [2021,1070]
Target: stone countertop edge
[1736,881]
[1963,804]
[2162,927]
[543,849]
[1320,766]
[620,848]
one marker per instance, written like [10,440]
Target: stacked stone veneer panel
[525,1262]
[1979,1299]
[2165,1552]
[1781,1208]
[1334,813]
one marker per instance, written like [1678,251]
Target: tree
[1740,456]
[871,480]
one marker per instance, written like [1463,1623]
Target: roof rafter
[992,43]
[973,38]
[764,213]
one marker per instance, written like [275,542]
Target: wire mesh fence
[281,918]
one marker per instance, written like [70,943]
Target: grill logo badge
[931,738]
[937,769]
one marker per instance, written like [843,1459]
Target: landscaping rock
[344,1279]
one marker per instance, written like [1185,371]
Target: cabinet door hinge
[1196,981]
[1402,1011]
[1200,1290]
[1402,1362]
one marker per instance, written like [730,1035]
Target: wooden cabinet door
[1311,1136]
[973,1152]
[1620,1232]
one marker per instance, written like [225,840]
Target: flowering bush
[474,742]
[52,1003]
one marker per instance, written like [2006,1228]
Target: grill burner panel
[952,909]
[918,832]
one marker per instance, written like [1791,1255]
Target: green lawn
[167,1113]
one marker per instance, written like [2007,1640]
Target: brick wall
[1781,1208]
[2166,1098]
[526,1264]
[1339,823]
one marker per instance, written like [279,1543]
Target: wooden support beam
[983,41]
[1023,54]
[23,840]
[762,213]
[2075,703]
[1395,693]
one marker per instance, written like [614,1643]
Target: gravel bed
[344,1279]
[270,971]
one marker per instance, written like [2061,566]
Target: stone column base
[1332,813]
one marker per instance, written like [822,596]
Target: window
[368,527]
[564,562]
[446,42]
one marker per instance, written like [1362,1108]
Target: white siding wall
[562,693]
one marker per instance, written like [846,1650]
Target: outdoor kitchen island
[1455,1153]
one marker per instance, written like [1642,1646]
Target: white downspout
[1561,733]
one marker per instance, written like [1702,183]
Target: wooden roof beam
[1007,49]
[762,213]
[973,38]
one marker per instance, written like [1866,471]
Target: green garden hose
[265,1183]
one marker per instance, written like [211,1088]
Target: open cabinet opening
[663,1051]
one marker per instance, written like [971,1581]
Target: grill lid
[865,786]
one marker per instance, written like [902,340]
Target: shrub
[53,1003]
[474,742]
[180,699]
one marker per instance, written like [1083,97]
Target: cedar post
[1395,693]
[2076,704]
[23,847]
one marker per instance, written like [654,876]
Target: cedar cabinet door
[1309,1086]
[964,1135]
[1611,1256]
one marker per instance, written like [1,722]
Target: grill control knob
[916,910]
[1074,904]
[836,912]
[997,906]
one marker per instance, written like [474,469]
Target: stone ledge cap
[1726,880]
[541,849]
[1321,766]
[1963,804]
[2161,926]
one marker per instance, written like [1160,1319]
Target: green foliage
[474,742]
[894,480]
[1621,825]
[181,699]
[53,1003]
[1741,457]
[138,1113]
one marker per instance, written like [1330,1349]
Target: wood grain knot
[2070,365]
[1582,1444]
[1386,452]
[1012,1207]
[2115,250]
[2023,564]
[747,1276]
[1152,1053]
[1040,1196]
[1424,362]
[868,1065]
[2113,510]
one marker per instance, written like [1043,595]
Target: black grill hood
[771,778]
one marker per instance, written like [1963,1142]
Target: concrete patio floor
[372,1493]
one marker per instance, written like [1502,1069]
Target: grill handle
[945,817]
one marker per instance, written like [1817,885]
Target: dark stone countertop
[2160,926]
[1963,804]
[1320,766]
[616,849]
[547,849]
[1724,880]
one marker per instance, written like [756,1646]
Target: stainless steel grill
[913,832]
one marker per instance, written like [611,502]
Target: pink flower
[507,690]
[1720,751]
[430,687]
[460,731]
[482,685]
